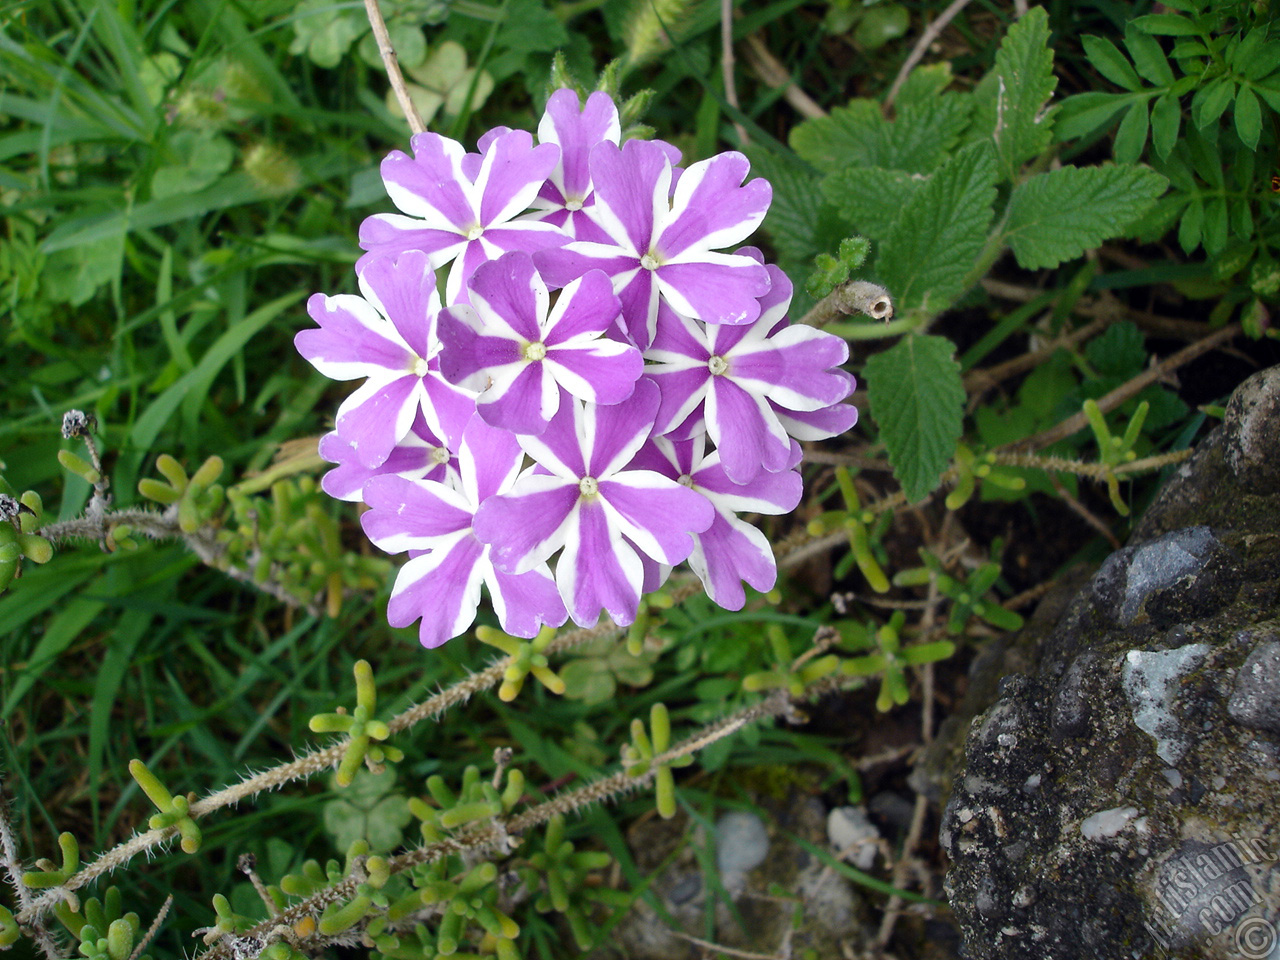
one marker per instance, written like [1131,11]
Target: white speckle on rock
[1107,823]
[1151,682]
[1173,776]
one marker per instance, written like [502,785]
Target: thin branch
[1123,392]
[931,33]
[726,65]
[770,69]
[393,67]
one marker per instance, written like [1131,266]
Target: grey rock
[1252,432]
[1255,701]
[1119,796]
[742,843]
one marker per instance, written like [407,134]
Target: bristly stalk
[650,26]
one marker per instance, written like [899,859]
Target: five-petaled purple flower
[549,433]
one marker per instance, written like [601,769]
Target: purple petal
[818,424]
[412,514]
[510,297]
[353,340]
[791,367]
[443,588]
[601,371]
[613,434]
[717,288]
[659,515]
[527,236]
[467,354]
[448,410]
[523,403]
[377,415]
[488,460]
[631,192]
[527,525]
[729,552]
[746,432]
[577,132]
[389,235]
[710,210]
[599,571]
[560,266]
[430,185]
[682,391]
[769,493]
[525,601]
[455,286]
[511,175]
[404,291]
[586,307]
[416,456]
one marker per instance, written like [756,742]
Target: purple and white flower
[662,245]
[463,207]
[520,353]
[418,455]
[727,376]
[389,336]
[441,581]
[596,507]
[567,196]
[730,550]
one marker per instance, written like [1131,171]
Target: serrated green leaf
[1166,121]
[871,198]
[1248,117]
[1118,352]
[1131,137]
[1148,57]
[917,400]
[793,218]
[917,140]
[934,243]
[925,83]
[1110,62]
[1166,25]
[1025,66]
[1059,215]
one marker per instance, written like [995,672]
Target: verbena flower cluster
[602,384]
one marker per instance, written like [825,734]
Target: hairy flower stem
[495,834]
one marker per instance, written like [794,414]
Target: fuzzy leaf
[917,140]
[1059,215]
[940,232]
[1025,66]
[871,198]
[917,400]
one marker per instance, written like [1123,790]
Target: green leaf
[1084,113]
[1024,64]
[1211,101]
[925,260]
[917,400]
[1148,56]
[871,198]
[1166,25]
[1110,62]
[924,84]
[1132,135]
[1190,228]
[857,135]
[1059,215]
[1216,225]
[1264,62]
[1248,115]
[1119,351]
[793,219]
[1166,121]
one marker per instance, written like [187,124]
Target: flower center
[535,351]
[685,481]
[718,366]
[419,367]
[649,262]
[474,232]
[589,487]
[573,205]
[439,456]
